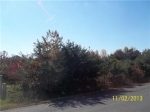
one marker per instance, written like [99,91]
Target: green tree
[81,67]
[119,54]
[144,61]
[48,53]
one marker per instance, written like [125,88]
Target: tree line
[56,68]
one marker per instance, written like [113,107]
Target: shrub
[137,73]
[105,81]
[15,93]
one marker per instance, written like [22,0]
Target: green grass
[6,104]
[14,92]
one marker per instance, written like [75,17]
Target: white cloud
[42,6]
[45,11]
[51,18]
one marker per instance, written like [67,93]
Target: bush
[58,69]
[15,93]
[105,81]
[65,68]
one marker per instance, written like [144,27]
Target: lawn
[8,103]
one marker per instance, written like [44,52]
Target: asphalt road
[98,102]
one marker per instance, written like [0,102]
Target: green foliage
[105,81]
[119,54]
[65,68]
[126,54]
[137,73]
[144,61]
[81,67]
[14,93]
[57,69]
[146,56]
[50,71]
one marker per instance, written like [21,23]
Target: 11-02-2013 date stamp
[127,98]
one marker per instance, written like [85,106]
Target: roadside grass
[9,104]
[6,104]
[13,99]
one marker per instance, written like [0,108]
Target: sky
[98,24]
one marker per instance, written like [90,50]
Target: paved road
[97,102]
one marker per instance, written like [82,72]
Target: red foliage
[13,70]
[137,70]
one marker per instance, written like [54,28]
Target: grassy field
[13,92]
[14,99]
[6,104]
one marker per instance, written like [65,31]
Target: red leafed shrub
[105,81]
[137,72]
[14,70]
[35,64]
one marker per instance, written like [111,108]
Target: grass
[8,103]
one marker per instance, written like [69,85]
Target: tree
[48,53]
[126,54]
[4,64]
[145,59]
[132,53]
[119,54]
[81,67]
[125,50]
[3,55]
[103,53]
